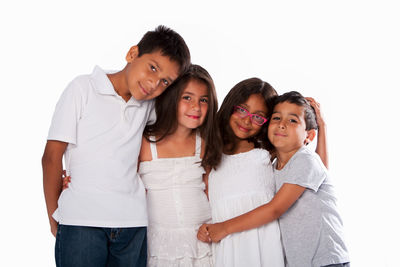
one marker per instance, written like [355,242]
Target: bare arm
[283,200]
[322,146]
[52,174]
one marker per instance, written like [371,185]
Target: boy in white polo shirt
[100,220]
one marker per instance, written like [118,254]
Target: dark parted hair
[236,96]
[169,42]
[166,110]
[296,98]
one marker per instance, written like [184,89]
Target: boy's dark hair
[169,42]
[296,98]
[166,110]
[236,96]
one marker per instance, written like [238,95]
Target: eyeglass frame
[249,114]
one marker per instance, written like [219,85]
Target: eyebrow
[257,111]
[295,115]
[290,114]
[160,69]
[190,93]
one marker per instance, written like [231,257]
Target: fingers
[203,234]
[312,102]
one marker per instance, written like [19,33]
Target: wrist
[322,127]
[227,228]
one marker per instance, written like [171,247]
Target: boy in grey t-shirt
[312,231]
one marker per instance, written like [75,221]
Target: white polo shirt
[104,134]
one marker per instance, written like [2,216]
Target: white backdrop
[343,53]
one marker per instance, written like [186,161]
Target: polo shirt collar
[103,85]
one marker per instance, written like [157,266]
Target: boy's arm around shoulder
[282,201]
[322,146]
[52,173]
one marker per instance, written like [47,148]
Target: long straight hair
[166,110]
[236,96]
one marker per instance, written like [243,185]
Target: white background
[343,53]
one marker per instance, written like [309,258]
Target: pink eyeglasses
[255,118]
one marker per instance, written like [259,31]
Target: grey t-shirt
[312,230]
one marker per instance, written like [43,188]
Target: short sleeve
[66,116]
[305,170]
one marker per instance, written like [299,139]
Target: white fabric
[241,183]
[104,134]
[177,206]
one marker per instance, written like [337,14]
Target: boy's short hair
[169,42]
[296,98]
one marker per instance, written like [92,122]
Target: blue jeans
[82,246]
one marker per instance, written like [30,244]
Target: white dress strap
[198,144]
[153,148]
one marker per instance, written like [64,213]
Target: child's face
[193,105]
[244,128]
[149,75]
[287,128]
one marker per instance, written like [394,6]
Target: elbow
[277,213]
[46,160]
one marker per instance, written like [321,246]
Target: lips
[279,134]
[243,129]
[193,117]
[144,91]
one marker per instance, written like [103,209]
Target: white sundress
[241,183]
[177,206]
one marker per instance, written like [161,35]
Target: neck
[119,84]
[242,146]
[283,157]
[182,133]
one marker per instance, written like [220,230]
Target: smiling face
[147,76]
[244,128]
[287,128]
[193,105]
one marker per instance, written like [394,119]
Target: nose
[153,82]
[195,105]
[247,120]
[282,125]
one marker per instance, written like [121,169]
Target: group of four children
[154,182]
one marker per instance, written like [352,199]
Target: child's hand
[216,231]
[202,234]
[66,180]
[318,112]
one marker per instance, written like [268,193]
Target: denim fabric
[81,246]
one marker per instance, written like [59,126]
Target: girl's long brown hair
[166,110]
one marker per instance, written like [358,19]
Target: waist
[178,207]
[103,209]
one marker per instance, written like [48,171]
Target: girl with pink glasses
[244,178]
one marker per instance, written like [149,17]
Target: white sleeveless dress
[177,206]
[241,183]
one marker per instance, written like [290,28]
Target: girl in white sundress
[174,151]
[244,178]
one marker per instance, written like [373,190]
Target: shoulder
[305,158]
[260,154]
[145,151]
[305,169]
[78,88]
[203,147]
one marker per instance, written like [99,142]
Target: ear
[132,54]
[310,136]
